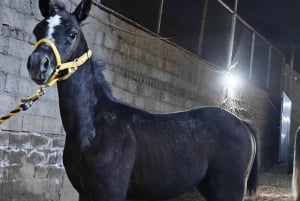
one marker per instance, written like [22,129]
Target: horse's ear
[82,10]
[45,7]
[48,7]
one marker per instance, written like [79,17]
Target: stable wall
[143,70]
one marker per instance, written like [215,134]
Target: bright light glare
[233,81]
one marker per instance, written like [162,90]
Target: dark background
[277,20]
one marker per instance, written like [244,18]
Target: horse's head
[59,37]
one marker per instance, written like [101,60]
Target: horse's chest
[73,165]
[71,156]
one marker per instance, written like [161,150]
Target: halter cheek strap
[71,66]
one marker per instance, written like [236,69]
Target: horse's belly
[160,185]
[144,193]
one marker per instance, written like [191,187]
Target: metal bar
[161,7]
[225,6]
[202,30]
[232,36]
[289,76]
[282,74]
[292,61]
[231,41]
[236,3]
[251,57]
[269,68]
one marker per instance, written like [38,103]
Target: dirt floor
[274,185]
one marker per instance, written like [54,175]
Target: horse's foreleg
[107,170]
[107,183]
[83,198]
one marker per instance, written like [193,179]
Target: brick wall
[143,70]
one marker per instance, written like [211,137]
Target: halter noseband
[71,66]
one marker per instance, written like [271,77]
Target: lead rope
[71,68]
[25,105]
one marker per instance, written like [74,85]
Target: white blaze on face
[52,23]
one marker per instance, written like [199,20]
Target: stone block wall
[143,70]
[16,43]
[31,167]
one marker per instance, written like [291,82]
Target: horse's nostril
[41,76]
[45,63]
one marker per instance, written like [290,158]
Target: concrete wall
[143,70]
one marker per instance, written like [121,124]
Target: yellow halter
[71,68]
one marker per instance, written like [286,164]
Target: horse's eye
[72,36]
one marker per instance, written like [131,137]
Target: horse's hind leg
[217,187]
[205,189]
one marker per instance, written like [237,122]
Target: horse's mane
[99,67]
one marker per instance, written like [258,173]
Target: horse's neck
[80,97]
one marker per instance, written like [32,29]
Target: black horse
[114,151]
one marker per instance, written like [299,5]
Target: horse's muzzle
[39,66]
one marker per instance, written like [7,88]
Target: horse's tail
[253,176]
[296,169]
